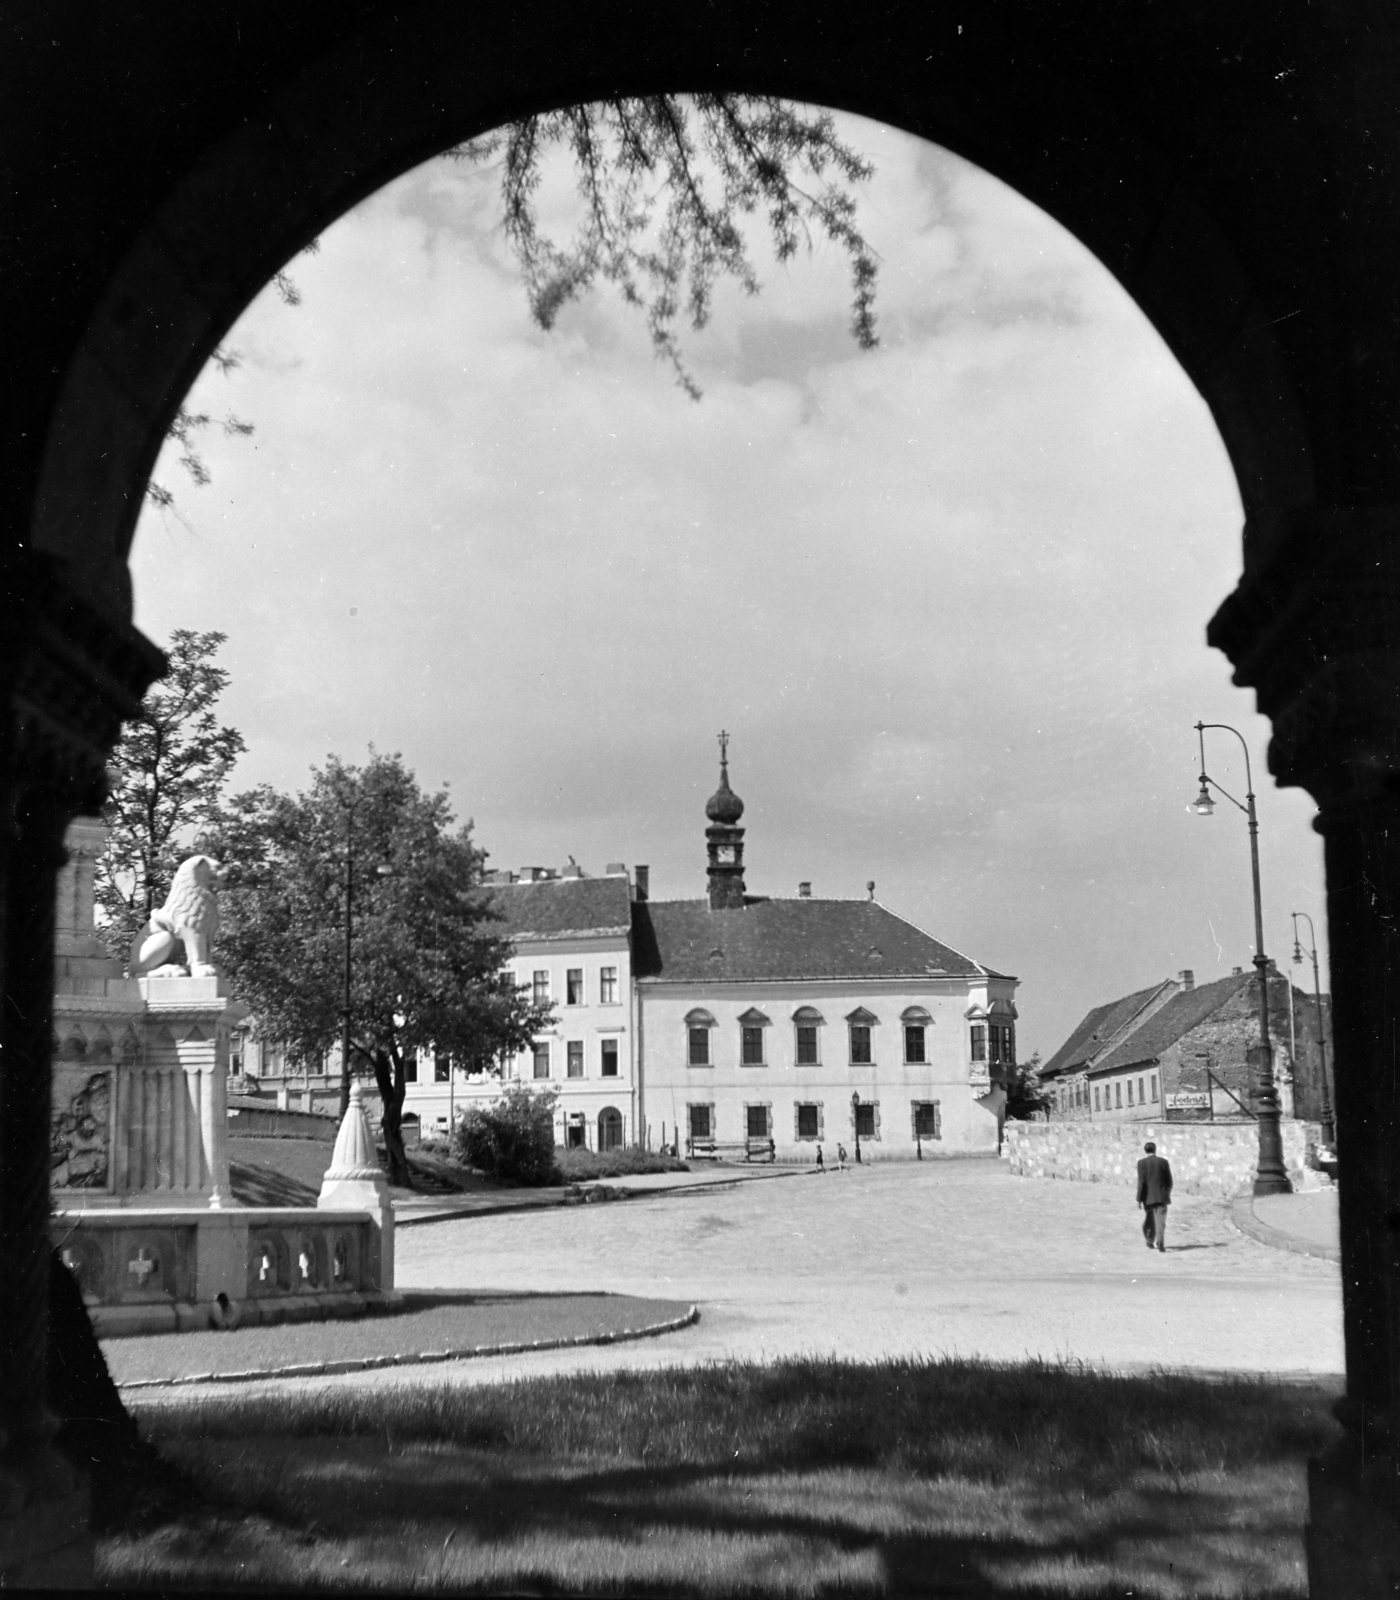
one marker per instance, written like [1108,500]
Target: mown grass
[578,1166]
[798,1478]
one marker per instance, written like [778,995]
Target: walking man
[1154,1195]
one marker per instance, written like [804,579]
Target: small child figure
[821,1165]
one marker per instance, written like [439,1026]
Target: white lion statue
[189,917]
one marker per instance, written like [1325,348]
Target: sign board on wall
[1188,1100]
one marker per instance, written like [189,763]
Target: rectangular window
[1142,1098]
[1118,1096]
[539,987]
[914,1044]
[1154,1088]
[699,1047]
[756,1120]
[806,1044]
[1096,1097]
[928,1122]
[542,1060]
[865,1119]
[575,1067]
[1003,1045]
[701,1122]
[752,1047]
[808,1123]
[442,1069]
[1130,1092]
[979,1041]
[607,986]
[410,1069]
[573,986]
[609,1058]
[860,1044]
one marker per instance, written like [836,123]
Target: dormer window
[916,1020]
[860,1025]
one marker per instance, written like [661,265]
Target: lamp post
[855,1119]
[1270,1176]
[1329,1131]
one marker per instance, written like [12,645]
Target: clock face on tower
[726,854]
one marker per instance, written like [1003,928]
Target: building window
[807,1021]
[410,1067]
[1130,1094]
[609,1062]
[1096,1097]
[865,1119]
[701,1121]
[979,1041]
[573,986]
[442,1068]
[575,1064]
[809,1122]
[752,1046]
[861,1024]
[542,1059]
[539,987]
[928,1120]
[607,986]
[1003,1043]
[1118,1096]
[697,1029]
[1154,1088]
[916,1021]
[757,1122]
[1142,1098]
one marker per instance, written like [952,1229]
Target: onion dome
[724,805]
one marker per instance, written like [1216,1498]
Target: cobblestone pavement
[947,1257]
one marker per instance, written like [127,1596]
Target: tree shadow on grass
[256,1185]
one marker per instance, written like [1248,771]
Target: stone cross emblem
[142,1265]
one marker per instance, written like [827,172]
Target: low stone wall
[1216,1159]
[252,1118]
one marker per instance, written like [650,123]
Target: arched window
[697,1029]
[609,1128]
[807,1020]
[915,1020]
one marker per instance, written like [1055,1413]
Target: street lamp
[1329,1131]
[855,1118]
[1270,1176]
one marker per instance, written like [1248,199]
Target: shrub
[513,1139]
[576,1166]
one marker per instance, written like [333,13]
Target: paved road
[947,1257]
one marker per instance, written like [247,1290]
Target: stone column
[1314,630]
[68,676]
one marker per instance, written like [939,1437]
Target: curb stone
[1242,1216]
[317,1369]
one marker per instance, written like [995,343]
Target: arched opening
[1262,279]
[609,1129]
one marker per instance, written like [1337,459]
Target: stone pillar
[68,675]
[355,1181]
[1314,630]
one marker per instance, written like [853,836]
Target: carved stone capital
[69,676]
[1315,629]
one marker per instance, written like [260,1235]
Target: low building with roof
[1181,1052]
[743,1024]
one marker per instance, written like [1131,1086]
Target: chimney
[1238,972]
[643,878]
[1187,978]
[870,888]
[615,869]
[804,891]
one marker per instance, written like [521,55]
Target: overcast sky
[949,598]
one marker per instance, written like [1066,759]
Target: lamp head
[1297,951]
[1202,805]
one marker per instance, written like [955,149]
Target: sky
[948,597]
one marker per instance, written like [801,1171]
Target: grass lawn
[797,1478]
[578,1166]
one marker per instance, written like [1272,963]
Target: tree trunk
[388,1075]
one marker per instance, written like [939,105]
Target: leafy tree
[1024,1095]
[168,774]
[513,1139]
[427,962]
[666,182]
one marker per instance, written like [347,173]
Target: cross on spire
[723,748]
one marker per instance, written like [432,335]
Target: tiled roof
[558,908]
[1095,1031]
[1181,1013]
[684,941]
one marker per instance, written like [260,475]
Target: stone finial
[189,917]
[354,1158]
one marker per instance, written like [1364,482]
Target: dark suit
[1154,1193]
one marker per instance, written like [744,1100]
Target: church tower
[725,840]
